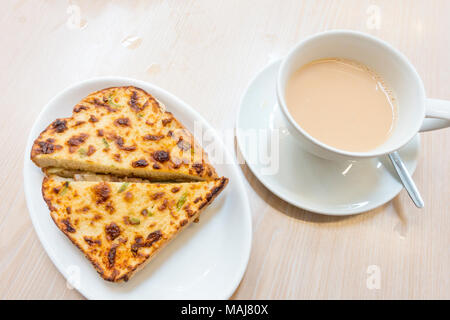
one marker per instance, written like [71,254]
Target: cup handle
[437,115]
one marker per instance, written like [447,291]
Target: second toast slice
[120,226]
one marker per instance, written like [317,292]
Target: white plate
[303,180]
[206,261]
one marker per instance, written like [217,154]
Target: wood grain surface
[206,52]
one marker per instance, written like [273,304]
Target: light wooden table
[206,52]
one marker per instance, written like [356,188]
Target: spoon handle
[406,179]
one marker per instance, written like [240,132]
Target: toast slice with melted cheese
[122,131]
[120,226]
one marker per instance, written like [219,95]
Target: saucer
[300,178]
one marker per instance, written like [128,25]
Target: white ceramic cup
[415,112]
